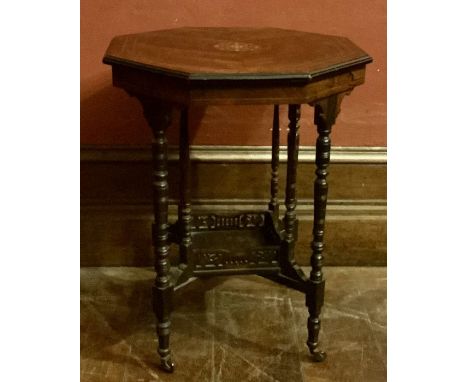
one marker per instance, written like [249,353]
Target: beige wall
[110,116]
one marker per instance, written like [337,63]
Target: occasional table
[180,68]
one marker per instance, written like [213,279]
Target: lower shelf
[229,244]
[231,250]
[246,242]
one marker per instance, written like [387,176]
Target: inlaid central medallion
[236,46]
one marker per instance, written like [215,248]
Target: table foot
[317,355]
[167,365]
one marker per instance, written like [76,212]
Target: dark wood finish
[291,274]
[159,119]
[185,211]
[241,92]
[191,66]
[235,243]
[275,141]
[325,116]
[235,53]
[290,221]
[119,235]
[203,66]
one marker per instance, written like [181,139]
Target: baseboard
[116,209]
[230,154]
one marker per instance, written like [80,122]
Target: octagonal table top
[235,53]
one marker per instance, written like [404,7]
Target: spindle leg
[159,118]
[275,137]
[185,210]
[290,220]
[325,115]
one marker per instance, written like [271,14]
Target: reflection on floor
[242,328]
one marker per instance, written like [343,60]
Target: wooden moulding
[230,154]
[116,176]
[182,92]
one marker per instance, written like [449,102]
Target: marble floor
[242,328]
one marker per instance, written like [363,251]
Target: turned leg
[159,118]
[290,274]
[184,211]
[325,115]
[275,138]
[290,221]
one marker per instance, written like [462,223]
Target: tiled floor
[242,328]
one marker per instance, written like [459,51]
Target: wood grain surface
[235,53]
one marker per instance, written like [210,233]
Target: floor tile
[243,328]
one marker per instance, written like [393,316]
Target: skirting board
[231,154]
[116,211]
